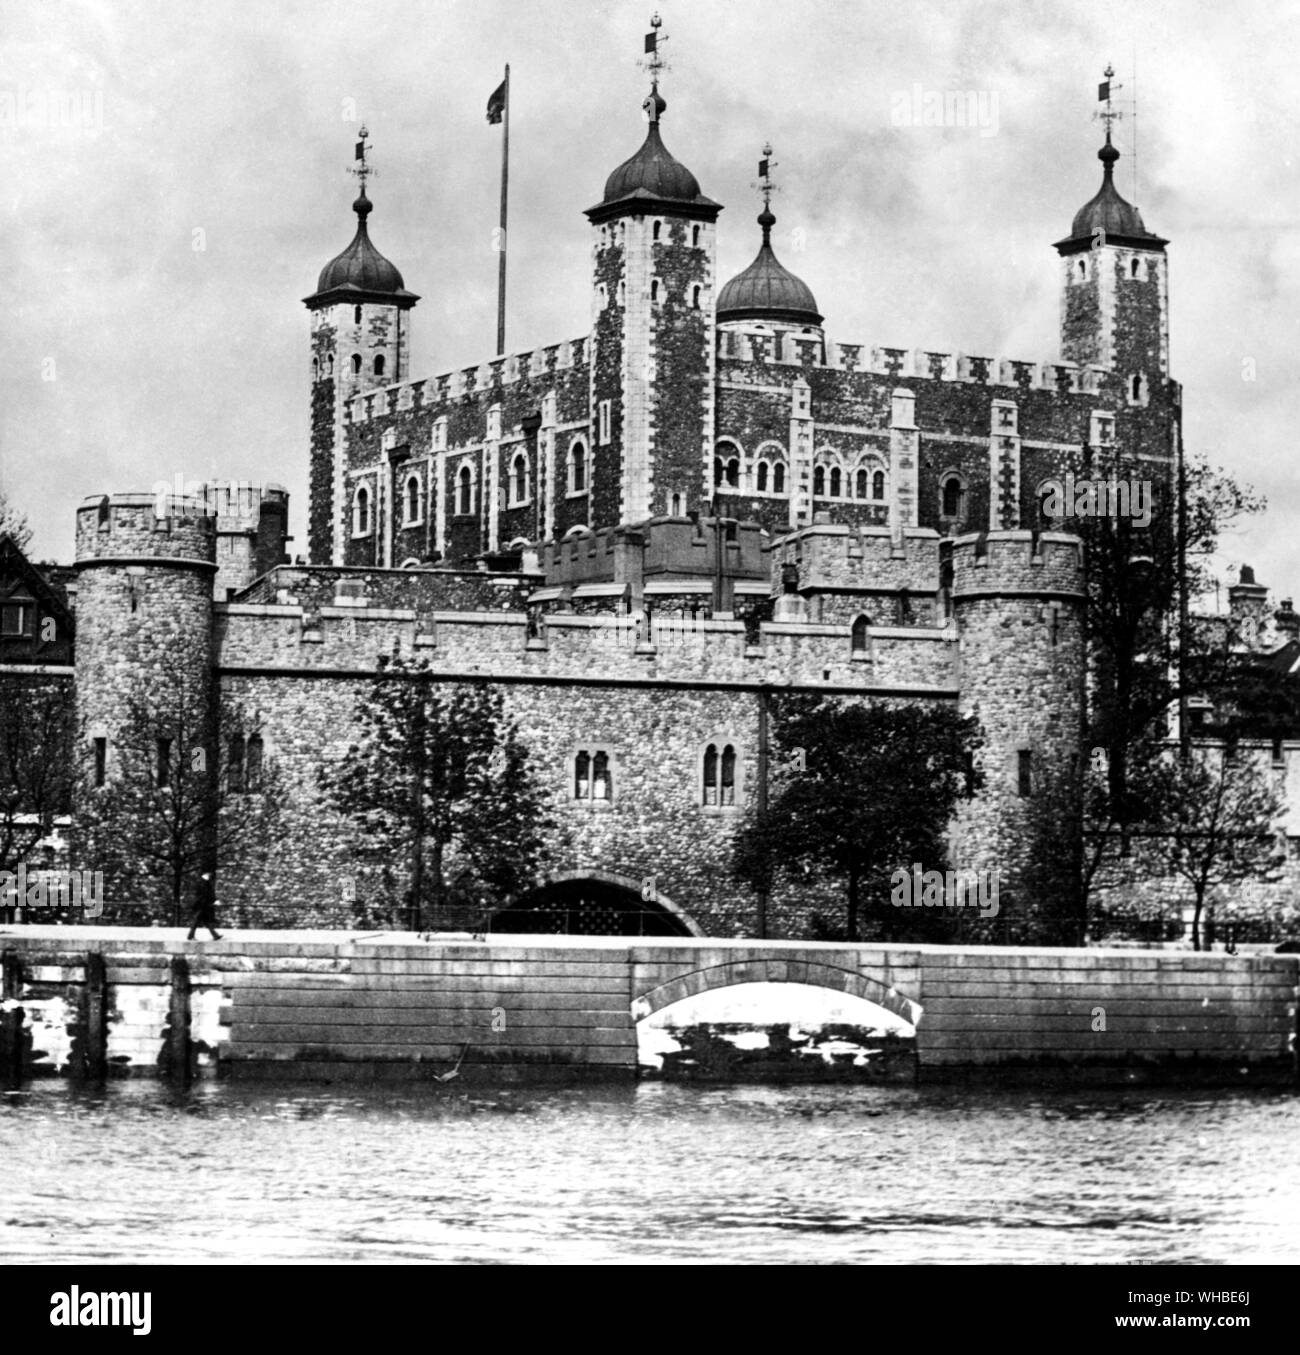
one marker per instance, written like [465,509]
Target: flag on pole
[1103,91]
[497,103]
[651,42]
[361,151]
[762,169]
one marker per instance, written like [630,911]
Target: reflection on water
[653,1172]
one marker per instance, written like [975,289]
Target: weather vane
[362,169]
[1103,94]
[655,63]
[764,182]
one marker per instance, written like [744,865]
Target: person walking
[205,907]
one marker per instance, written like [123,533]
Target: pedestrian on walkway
[205,907]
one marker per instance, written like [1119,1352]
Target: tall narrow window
[413,499]
[695,297]
[733,472]
[1025,772]
[778,478]
[582,777]
[605,419]
[235,764]
[950,507]
[356,315]
[654,291]
[861,640]
[356,364]
[164,763]
[379,364]
[658,227]
[860,488]
[836,480]
[578,468]
[601,784]
[878,485]
[728,796]
[465,486]
[760,478]
[101,761]
[253,763]
[711,774]
[519,479]
[361,512]
[819,481]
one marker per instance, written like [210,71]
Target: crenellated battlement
[470,382]
[126,527]
[758,344]
[835,557]
[1009,563]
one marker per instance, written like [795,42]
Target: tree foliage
[36,746]
[858,791]
[440,785]
[180,797]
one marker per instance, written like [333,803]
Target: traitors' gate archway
[593,903]
[764,969]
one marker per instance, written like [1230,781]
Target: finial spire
[766,187]
[654,104]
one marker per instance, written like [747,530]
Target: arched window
[695,237]
[582,777]
[860,489]
[718,470]
[315,369]
[658,227]
[778,478]
[518,478]
[356,315]
[412,502]
[760,477]
[601,783]
[819,481]
[695,297]
[1135,388]
[1082,269]
[356,364]
[235,764]
[878,485]
[733,472]
[836,479]
[465,496]
[253,763]
[1135,270]
[951,497]
[578,468]
[861,641]
[379,364]
[718,770]
[361,512]
[675,505]
[654,289]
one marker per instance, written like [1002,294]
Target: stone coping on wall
[318,942]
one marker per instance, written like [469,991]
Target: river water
[654,1172]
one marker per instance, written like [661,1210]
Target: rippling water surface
[649,1173]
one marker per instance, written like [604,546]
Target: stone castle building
[643,536]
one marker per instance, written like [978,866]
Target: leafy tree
[1218,812]
[183,794]
[439,779]
[36,727]
[1141,659]
[14,524]
[861,790]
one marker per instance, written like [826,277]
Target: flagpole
[505,184]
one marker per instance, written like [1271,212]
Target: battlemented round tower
[144,621]
[1019,600]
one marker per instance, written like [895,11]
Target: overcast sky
[130,356]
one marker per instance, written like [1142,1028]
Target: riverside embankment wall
[119,1001]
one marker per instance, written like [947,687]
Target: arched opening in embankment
[776,1021]
[593,903]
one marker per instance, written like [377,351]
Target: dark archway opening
[587,908]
